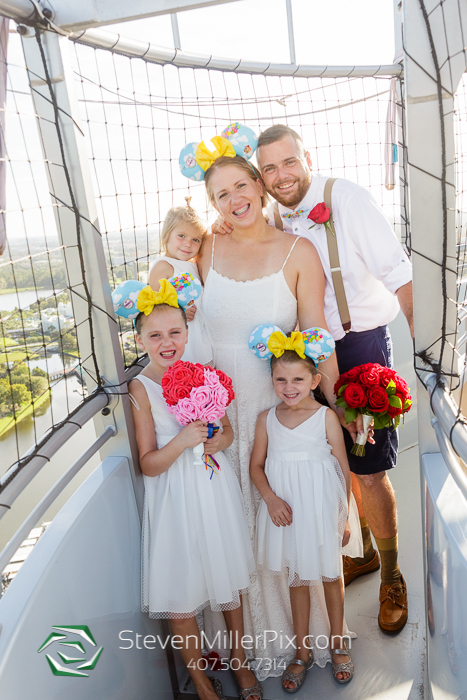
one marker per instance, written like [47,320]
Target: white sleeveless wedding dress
[232,310]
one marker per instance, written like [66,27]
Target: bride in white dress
[258,275]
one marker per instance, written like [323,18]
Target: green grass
[9,422]
[12,290]
[7,342]
[12,356]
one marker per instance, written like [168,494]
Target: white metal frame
[425,143]
[107,348]
[158,54]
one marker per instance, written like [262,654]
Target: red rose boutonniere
[321,215]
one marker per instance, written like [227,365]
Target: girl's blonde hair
[176,215]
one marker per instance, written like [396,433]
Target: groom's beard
[291,198]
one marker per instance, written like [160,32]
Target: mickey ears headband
[236,140]
[266,341]
[132,297]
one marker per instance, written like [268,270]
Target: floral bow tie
[295,214]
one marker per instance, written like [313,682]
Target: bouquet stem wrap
[198,454]
[359,447]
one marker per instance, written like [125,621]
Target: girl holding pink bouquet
[196,545]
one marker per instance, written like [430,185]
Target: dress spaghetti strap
[212,250]
[290,252]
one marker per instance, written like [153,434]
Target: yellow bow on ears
[205,158]
[148,298]
[278,343]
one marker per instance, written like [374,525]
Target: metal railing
[159,54]
[38,512]
[15,480]
[19,482]
[450,429]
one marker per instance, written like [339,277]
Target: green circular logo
[67,636]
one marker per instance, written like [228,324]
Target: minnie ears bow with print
[236,140]
[132,297]
[266,341]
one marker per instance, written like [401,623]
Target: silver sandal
[256,689]
[217,685]
[346,667]
[297,678]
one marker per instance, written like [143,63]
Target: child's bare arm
[336,440]
[279,511]
[161,270]
[220,441]
[153,461]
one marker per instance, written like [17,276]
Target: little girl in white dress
[182,236]
[299,466]
[196,549]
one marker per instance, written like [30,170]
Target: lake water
[8,302]
[53,363]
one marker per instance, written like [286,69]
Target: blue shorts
[356,349]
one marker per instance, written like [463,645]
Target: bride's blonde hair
[247,167]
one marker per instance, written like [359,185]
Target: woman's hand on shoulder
[221,226]
[161,270]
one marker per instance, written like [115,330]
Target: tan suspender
[333,256]
[336,273]
[277,217]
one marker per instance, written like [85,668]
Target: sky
[120,137]
[336,32]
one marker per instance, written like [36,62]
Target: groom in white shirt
[377,279]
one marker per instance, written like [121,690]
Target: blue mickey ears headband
[236,140]
[125,295]
[268,340]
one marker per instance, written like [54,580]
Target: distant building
[51,321]
[65,310]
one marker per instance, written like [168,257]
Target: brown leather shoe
[393,608]
[352,570]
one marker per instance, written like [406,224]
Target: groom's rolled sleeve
[376,241]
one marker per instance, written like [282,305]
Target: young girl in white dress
[299,466]
[196,549]
[182,236]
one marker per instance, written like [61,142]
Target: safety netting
[136,117]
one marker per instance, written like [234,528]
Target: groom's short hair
[278,132]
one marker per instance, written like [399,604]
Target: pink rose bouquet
[193,392]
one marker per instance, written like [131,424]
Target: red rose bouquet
[377,392]
[194,392]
